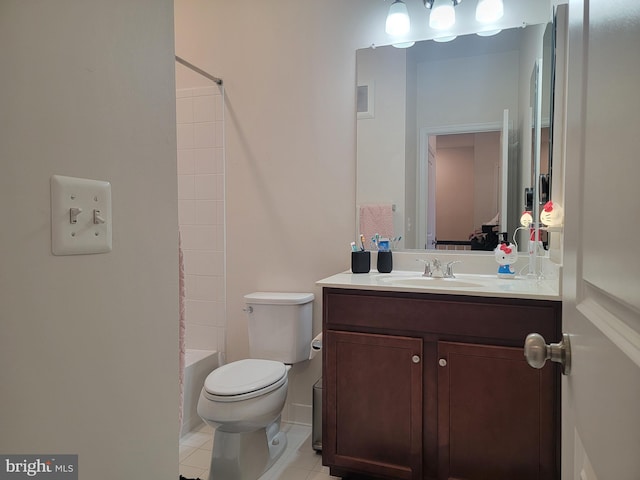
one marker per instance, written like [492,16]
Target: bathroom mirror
[444,134]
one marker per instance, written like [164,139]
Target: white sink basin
[430,282]
[416,280]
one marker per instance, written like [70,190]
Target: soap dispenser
[506,254]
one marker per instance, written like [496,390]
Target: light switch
[80,216]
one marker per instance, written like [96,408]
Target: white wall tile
[184,110]
[219,189]
[204,109]
[219,135]
[204,134]
[187,212]
[218,289]
[186,161]
[190,285]
[219,112]
[199,237]
[205,288]
[186,187]
[218,155]
[203,263]
[220,212]
[206,186]
[185,135]
[218,313]
[203,91]
[202,337]
[206,212]
[200,312]
[205,160]
[221,339]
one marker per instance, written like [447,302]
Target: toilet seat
[244,379]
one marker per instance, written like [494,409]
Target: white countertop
[464,284]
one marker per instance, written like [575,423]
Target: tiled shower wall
[200,129]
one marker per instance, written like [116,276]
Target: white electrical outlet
[80,216]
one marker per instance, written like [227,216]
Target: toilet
[243,400]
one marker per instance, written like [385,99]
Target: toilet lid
[244,376]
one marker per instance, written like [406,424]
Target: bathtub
[198,364]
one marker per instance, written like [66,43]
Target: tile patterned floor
[298,462]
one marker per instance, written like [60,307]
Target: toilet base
[246,455]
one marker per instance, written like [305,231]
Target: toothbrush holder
[360,261]
[385,261]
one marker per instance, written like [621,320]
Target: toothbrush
[362,242]
[353,247]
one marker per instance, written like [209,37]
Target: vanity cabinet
[374,403]
[435,386]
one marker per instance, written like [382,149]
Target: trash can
[316,426]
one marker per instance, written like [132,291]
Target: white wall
[89,343]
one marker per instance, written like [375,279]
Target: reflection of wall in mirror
[381,138]
[467,183]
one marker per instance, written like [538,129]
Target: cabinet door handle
[442,362]
[415,359]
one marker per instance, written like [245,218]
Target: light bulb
[552,214]
[526,219]
[398,19]
[442,16]
[489,11]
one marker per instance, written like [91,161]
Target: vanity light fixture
[403,44]
[489,11]
[442,16]
[398,19]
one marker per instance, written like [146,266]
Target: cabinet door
[373,404]
[495,415]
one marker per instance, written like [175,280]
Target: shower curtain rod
[198,70]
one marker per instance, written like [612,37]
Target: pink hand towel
[376,219]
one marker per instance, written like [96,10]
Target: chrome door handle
[537,352]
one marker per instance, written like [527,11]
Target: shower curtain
[181,290]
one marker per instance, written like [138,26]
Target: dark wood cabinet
[495,414]
[427,386]
[376,403]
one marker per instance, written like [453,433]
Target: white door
[601,281]
[503,175]
[431,197]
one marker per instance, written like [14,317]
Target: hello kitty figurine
[506,255]
[551,215]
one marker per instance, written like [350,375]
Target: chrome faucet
[427,267]
[449,270]
[436,269]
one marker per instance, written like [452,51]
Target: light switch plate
[80,216]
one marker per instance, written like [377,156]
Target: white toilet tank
[280,325]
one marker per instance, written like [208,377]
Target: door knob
[537,352]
